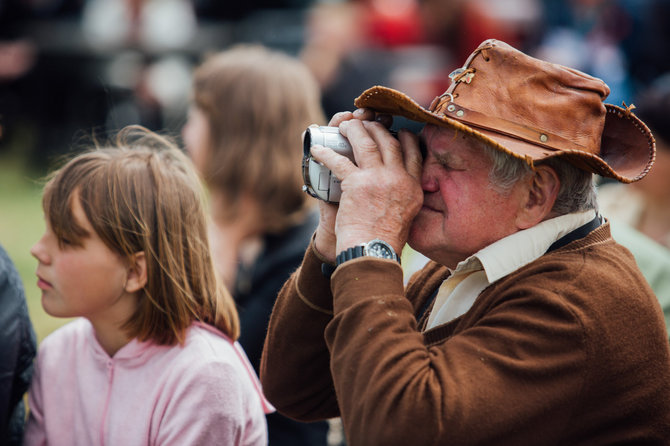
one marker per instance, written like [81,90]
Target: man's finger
[362,114]
[365,147]
[340,165]
[411,151]
[387,144]
[339,118]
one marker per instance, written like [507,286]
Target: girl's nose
[38,250]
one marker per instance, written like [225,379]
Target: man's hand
[325,239]
[381,194]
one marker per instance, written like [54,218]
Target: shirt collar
[516,250]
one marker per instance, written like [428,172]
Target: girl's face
[82,281]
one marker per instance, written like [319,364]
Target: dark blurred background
[71,68]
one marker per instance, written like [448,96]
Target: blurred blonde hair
[141,193]
[257,102]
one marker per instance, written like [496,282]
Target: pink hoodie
[202,393]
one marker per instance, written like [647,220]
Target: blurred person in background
[18,343]
[352,44]
[250,105]
[645,205]
[640,213]
[17,350]
[648,40]
[460,25]
[408,45]
[590,35]
[624,41]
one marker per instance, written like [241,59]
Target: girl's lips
[42,284]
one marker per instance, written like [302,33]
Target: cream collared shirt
[471,276]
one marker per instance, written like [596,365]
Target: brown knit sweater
[569,350]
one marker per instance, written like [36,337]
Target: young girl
[152,357]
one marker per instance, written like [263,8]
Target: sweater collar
[133,352]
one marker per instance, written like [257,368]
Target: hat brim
[627,147]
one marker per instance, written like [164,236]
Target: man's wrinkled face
[462,211]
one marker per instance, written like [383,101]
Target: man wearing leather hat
[529,325]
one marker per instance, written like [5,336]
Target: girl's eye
[66,243]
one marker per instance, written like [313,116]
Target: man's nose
[428,180]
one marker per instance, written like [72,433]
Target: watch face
[379,249]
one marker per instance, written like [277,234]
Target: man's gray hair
[577,191]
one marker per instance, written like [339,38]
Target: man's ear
[542,190]
[137,273]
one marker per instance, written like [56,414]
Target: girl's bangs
[57,205]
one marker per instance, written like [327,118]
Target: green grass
[21,225]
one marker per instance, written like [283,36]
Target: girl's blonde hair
[257,102]
[141,194]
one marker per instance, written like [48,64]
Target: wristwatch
[373,248]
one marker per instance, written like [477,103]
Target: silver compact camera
[319,180]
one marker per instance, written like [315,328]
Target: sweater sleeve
[295,370]
[485,385]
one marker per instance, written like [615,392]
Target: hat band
[507,128]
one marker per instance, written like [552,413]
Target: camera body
[319,180]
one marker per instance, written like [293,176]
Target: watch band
[374,248]
[349,254]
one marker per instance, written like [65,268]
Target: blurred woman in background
[249,108]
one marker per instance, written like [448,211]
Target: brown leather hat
[533,110]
